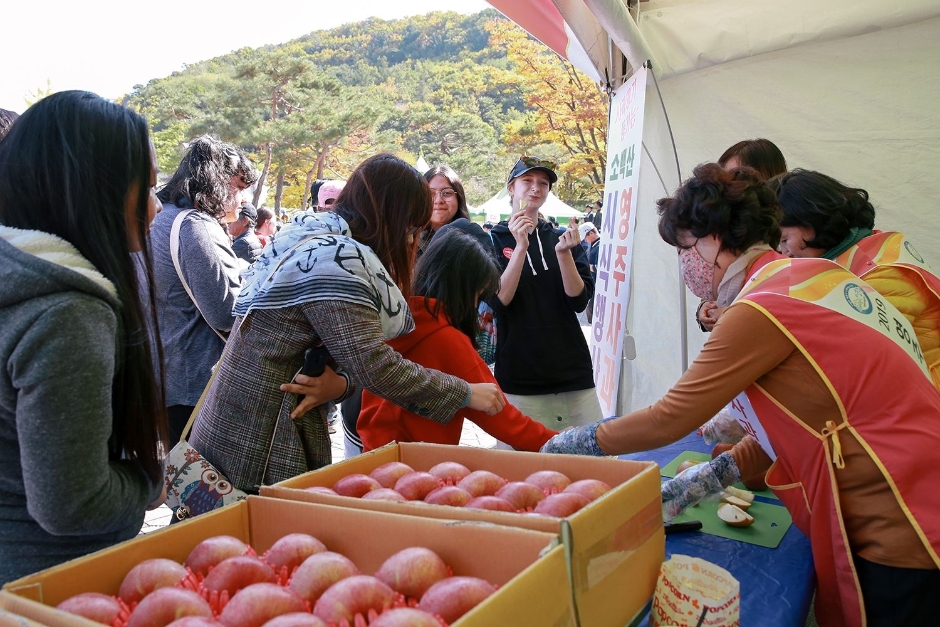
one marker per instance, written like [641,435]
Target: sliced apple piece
[744,495]
[739,503]
[687,464]
[734,515]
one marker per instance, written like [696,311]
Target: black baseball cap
[248,210]
[527,163]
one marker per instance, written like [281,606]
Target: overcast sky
[108,46]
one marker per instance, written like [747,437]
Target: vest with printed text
[866,354]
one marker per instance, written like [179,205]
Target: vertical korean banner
[612,287]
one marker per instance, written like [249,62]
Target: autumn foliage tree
[566,109]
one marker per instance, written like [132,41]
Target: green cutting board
[771,520]
[770,523]
[669,470]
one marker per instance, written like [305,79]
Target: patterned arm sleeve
[353,335]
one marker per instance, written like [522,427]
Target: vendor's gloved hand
[702,482]
[575,441]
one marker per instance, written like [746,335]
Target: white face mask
[698,274]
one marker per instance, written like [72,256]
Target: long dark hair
[66,168]
[448,173]
[457,271]
[383,200]
[831,208]
[736,205]
[203,179]
[760,154]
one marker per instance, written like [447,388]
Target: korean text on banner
[612,289]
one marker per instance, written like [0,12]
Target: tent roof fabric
[553,207]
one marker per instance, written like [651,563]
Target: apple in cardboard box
[448,495]
[351,596]
[355,485]
[550,481]
[319,572]
[291,551]
[258,603]
[482,483]
[453,597]
[148,576]
[412,571]
[388,474]
[238,572]
[449,472]
[162,607]
[405,617]
[101,608]
[213,550]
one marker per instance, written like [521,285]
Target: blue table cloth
[777,585]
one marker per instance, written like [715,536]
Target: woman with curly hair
[821,217]
[195,299]
[840,397]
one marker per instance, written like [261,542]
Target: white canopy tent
[498,207]
[845,87]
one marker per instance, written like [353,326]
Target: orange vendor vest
[891,264]
[866,354]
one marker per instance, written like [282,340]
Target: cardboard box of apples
[607,511]
[285,563]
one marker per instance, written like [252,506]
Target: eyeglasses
[535,162]
[412,231]
[445,194]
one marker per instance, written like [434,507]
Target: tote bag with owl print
[193,485]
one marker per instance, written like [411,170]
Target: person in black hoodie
[543,363]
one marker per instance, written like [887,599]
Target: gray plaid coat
[244,424]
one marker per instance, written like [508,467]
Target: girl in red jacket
[455,272]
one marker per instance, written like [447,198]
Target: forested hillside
[470,91]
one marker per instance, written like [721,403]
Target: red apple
[453,597]
[351,596]
[258,603]
[589,488]
[101,608]
[295,619]
[482,483]
[149,575]
[319,572]
[321,490]
[492,503]
[236,573]
[521,495]
[417,485]
[412,571]
[561,504]
[355,485]
[448,495]
[388,474]
[405,617]
[291,550]
[383,494]
[162,607]
[449,472]
[213,550]
[550,481]
[194,621]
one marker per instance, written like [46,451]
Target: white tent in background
[846,87]
[498,208]
[421,165]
